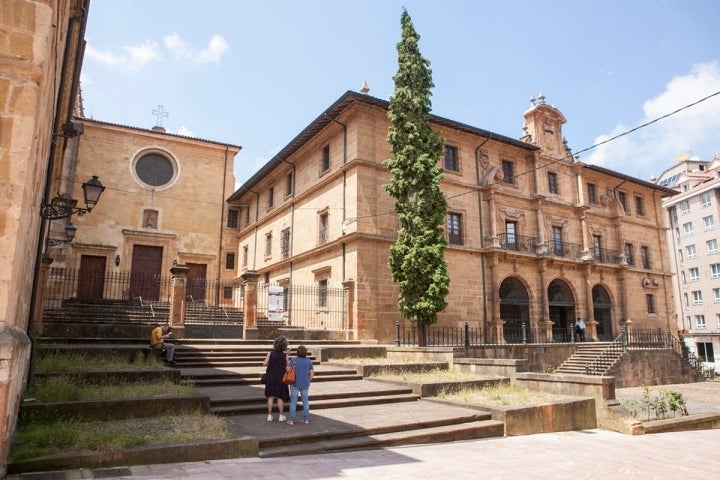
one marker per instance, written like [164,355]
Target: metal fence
[307,306]
[68,284]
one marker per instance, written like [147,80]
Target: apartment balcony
[572,251]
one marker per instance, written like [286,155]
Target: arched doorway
[514,309]
[562,310]
[602,310]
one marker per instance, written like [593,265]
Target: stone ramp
[366,426]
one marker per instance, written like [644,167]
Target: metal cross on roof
[160,113]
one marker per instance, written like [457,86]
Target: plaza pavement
[588,454]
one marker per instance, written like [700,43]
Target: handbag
[263,379]
[289,377]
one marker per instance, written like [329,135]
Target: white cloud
[215,49]
[185,131]
[650,150]
[136,57]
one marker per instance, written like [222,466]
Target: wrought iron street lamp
[70,230]
[63,206]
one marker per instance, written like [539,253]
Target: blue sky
[255,73]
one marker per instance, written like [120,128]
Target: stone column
[250,301]
[349,291]
[178,292]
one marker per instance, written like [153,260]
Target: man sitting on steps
[157,341]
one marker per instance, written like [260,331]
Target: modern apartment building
[694,217]
[534,236]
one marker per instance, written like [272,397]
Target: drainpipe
[482,237]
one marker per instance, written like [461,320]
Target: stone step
[230,381]
[316,403]
[445,433]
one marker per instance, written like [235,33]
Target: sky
[256,73]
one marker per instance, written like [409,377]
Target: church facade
[535,236]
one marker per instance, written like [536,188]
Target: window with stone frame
[285,243]
[245,256]
[640,205]
[508,169]
[700,321]
[629,257]
[592,193]
[650,302]
[645,256]
[268,244]
[230,261]
[246,211]
[271,197]
[325,159]
[323,226]
[454,228]
[451,162]
[322,299]
[553,186]
[232,218]
[289,184]
[622,198]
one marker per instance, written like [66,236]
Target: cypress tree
[416,259]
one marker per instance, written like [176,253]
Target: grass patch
[381,360]
[37,439]
[434,376]
[501,396]
[68,389]
[61,362]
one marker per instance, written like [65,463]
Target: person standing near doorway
[580,329]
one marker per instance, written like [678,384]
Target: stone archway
[561,303]
[602,311]
[514,309]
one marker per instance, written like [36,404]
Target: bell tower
[543,127]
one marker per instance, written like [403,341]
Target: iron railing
[307,306]
[613,351]
[517,243]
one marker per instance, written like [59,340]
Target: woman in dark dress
[276,362]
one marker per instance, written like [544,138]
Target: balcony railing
[563,249]
[517,243]
[604,255]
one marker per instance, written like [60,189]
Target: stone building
[693,216]
[164,204]
[40,61]
[534,235]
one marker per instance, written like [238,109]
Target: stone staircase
[599,354]
[354,412]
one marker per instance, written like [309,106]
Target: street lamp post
[63,206]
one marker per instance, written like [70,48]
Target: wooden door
[145,272]
[196,281]
[91,277]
